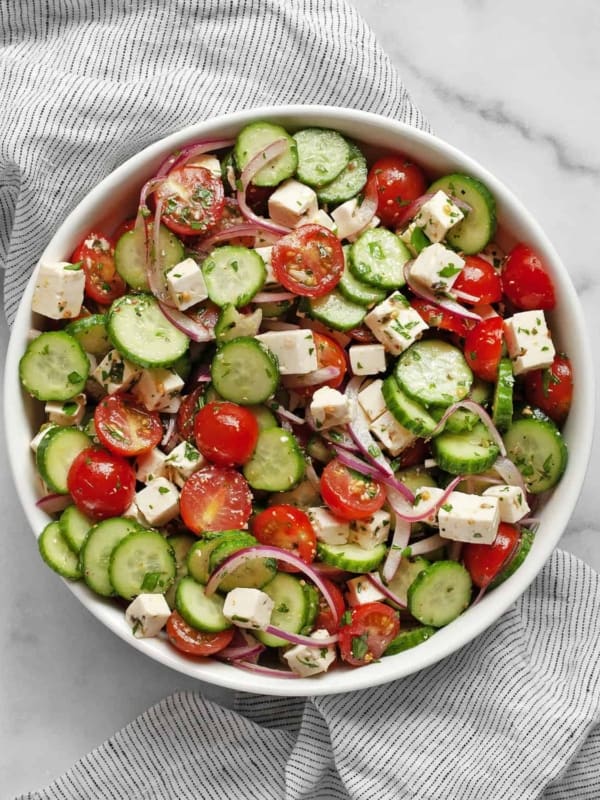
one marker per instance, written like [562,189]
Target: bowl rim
[555,514]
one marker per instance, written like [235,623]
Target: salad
[300,410]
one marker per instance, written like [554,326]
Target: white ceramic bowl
[116,197]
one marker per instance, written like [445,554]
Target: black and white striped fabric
[84,84]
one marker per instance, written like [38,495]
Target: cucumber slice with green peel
[252,574]
[277,464]
[55,551]
[351,557]
[415,477]
[54,366]
[335,311]
[263,416]
[55,454]
[502,408]
[181,545]
[408,570]
[319,449]
[523,548]
[228,543]
[478,227]
[198,558]
[377,257]
[201,612]
[233,275]
[434,373]
[274,310]
[322,155]
[539,452]
[465,453]
[91,334]
[412,415]
[97,548]
[244,371]
[409,639]
[349,182]
[130,254]
[440,593]
[481,391]
[141,332]
[75,527]
[359,292]
[256,137]
[142,561]
[312,607]
[460,421]
[290,607]
[231,324]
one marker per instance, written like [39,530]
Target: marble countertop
[516,85]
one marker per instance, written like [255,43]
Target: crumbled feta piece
[173,406]
[69,412]
[437,215]
[368,533]
[209,162]
[248,608]
[58,292]
[151,465]
[392,435]
[186,285]
[115,373]
[367,359]
[293,203]
[323,219]
[425,496]
[158,501]
[295,350]
[328,528]
[147,615]
[528,341]
[157,387]
[371,400]
[183,461]
[133,512]
[265,254]
[348,222]
[395,323]
[329,408]
[362,591]
[436,268]
[306,661]
[469,518]
[513,503]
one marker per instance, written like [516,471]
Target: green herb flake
[150,582]
[359,646]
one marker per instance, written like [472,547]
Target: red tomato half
[399,182]
[289,528]
[329,354]
[551,389]
[483,348]
[308,261]
[190,405]
[226,433]
[125,428]
[215,499]
[194,642]
[349,494]
[365,639]
[438,317]
[324,618]
[192,200]
[525,280]
[485,561]
[102,281]
[101,484]
[479,279]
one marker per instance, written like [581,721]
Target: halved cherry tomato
[365,639]
[215,499]
[190,405]
[324,618]
[399,182]
[480,279]
[102,281]
[438,317]
[329,354]
[483,348]
[225,433]
[124,427]
[485,561]
[192,200]
[194,642]
[287,527]
[309,261]
[412,455]
[124,227]
[551,389]
[525,280]
[349,494]
[102,484]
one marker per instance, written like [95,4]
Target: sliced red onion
[406,511]
[464,296]
[297,638]
[260,160]
[530,522]
[273,297]
[442,302]
[313,378]
[196,331]
[312,476]
[269,672]
[190,151]
[509,473]
[154,271]
[243,647]
[358,465]
[360,432]
[149,188]
[374,578]
[233,232]
[201,374]
[331,572]
[400,541]
[53,503]
[471,405]
[169,431]
[283,413]
[427,545]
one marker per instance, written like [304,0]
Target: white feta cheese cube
[392,435]
[209,162]
[33,334]
[158,501]
[68,413]
[151,465]
[436,268]
[248,608]
[186,285]
[183,461]
[328,528]
[395,323]
[115,373]
[293,203]
[35,442]
[368,533]
[348,222]
[512,500]
[437,215]
[306,661]
[329,408]
[58,292]
[469,518]
[361,591]
[528,341]
[157,387]
[173,406]
[323,219]
[133,512]
[426,496]
[295,351]
[147,615]
[265,254]
[367,359]
[371,400]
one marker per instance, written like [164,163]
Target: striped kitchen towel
[84,84]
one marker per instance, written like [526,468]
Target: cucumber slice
[349,182]
[55,551]
[54,366]
[55,454]
[358,292]
[97,548]
[408,639]
[523,548]
[319,449]
[539,452]
[474,232]
[141,332]
[351,557]
[502,409]
[74,526]
[311,596]
[256,137]
[271,310]
[142,561]
[265,418]
[408,412]
[434,373]
[465,453]
[201,612]
[198,558]
[130,254]
[91,334]
[407,571]
[252,574]
[377,257]
[322,155]
[244,371]
[289,609]
[481,392]
[460,421]
[231,324]
[415,477]
[277,463]
[335,311]
[440,593]
[233,275]
[181,545]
